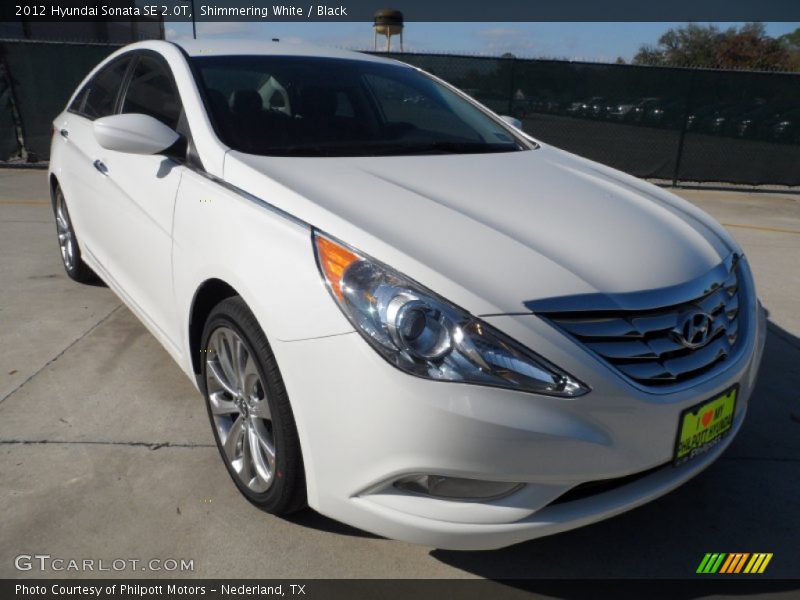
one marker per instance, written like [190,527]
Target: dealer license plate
[701,427]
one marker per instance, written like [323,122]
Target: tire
[76,269]
[249,410]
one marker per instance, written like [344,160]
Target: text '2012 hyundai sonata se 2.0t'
[402,310]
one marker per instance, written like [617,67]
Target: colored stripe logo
[734,563]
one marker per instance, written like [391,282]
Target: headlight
[424,334]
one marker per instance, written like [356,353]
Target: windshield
[301,106]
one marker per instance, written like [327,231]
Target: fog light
[456,488]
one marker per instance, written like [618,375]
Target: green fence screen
[39,78]
[692,125]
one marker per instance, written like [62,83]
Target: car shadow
[745,502]
[314,520]
[96,282]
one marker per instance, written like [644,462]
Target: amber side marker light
[334,260]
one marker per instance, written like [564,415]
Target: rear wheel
[68,242]
[249,410]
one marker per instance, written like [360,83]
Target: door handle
[64,133]
[100,166]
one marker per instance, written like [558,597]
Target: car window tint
[76,105]
[151,92]
[425,109]
[315,106]
[102,95]
[344,107]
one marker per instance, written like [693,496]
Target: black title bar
[413,10]
[403,589]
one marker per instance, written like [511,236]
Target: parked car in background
[708,118]
[574,108]
[639,112]
[399,309]
[586,108]
[756,122]
[669,113]
[618,110]
[787,127]
[598,108]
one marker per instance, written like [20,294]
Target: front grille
[649,347]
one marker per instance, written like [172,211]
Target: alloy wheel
[240,409]
[66,235]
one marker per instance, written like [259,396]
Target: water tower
[388,22]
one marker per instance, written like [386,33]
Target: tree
[688,46]
[748,47]
[751,48]
[649,55]
[791,41]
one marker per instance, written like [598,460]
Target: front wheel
[249,410]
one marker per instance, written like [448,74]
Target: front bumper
[364,424]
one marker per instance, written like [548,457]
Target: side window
[151,91]
[77,104]
[101,96]
[344,108]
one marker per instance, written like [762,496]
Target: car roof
[244,47]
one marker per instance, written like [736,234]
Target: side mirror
[134,133]
[512,121]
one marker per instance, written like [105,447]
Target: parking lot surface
[106,451]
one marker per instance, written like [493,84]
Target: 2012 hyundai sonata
[402,310]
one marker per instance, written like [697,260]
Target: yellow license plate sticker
[703,426]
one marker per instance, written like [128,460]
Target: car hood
[496,232]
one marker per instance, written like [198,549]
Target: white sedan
[402,310]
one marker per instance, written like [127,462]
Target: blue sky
[577,41]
